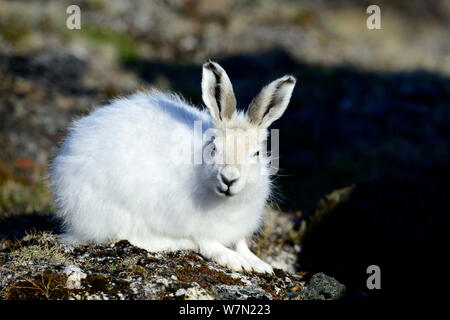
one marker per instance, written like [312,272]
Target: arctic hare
[116,178]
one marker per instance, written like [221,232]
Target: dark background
[370,109]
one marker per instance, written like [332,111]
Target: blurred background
[370,110]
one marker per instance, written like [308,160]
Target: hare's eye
[213,150]
[256,154]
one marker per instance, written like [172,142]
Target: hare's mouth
[226,193]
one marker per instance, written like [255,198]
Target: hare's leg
[217,252]
[256,263]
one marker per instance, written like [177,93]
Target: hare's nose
[226,181]
[229,175]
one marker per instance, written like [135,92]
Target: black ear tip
[209,65]
[290,79]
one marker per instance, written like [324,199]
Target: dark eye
[213,150]
[256,154]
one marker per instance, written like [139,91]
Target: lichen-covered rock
[39,267]
[322,287]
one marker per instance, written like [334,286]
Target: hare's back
[130,126]
[121,152]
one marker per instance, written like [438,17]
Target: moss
[113,272]
[202,274]
[98,284]
[268,283]
[126,248]
[141,271]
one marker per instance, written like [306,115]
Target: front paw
[234,262]
[260,266]
[256,263]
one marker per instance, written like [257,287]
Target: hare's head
[236,147]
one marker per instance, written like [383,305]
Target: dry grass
[48,285]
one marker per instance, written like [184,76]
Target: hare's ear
[270,104]
[217,92]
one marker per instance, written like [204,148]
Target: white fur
[113,179]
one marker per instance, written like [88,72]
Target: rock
[75,275]
[322,287]
[40,267]
[274,244]
[325,207]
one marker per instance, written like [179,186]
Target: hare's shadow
[16,226]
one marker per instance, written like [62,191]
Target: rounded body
[115,178]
